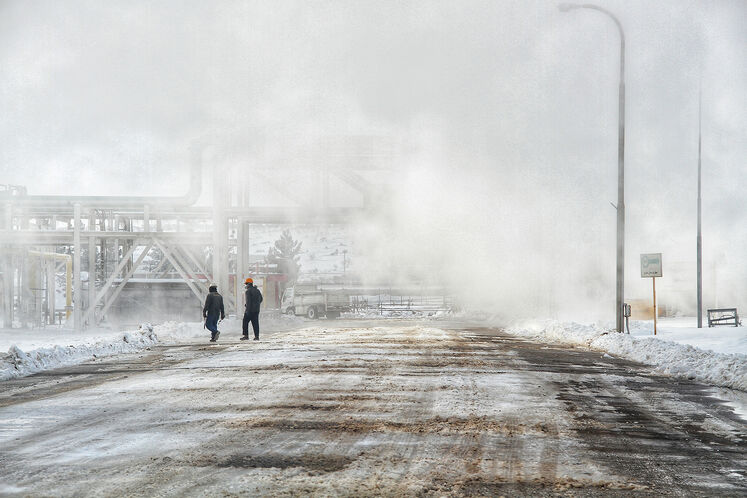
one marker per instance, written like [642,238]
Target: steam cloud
[502,114]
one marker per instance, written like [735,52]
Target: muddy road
[392,410]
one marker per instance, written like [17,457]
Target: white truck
[314,301]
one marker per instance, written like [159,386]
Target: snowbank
[19,363]
[31,352]
[667,357]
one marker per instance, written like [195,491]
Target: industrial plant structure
[85,250]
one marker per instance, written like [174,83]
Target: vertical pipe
[77,287]
[35,285]
[92,272]
[116,243]
[23,303]
[68,287]
[146,218]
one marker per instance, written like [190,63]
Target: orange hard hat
[249,281]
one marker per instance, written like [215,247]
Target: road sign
[651,265]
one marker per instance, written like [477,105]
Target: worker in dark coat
[251,313]
[213,310]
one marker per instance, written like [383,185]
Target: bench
[723,316]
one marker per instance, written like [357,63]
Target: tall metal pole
[700,238]
[619,288]
[620,294]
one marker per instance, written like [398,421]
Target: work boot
[244,337]
[256,338]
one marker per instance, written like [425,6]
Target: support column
[146,218]
[77,286]
[240,266]
[220,233]
[92,272]
[8,278]
[116,243]
[51,284]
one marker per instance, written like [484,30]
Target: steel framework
[103,241]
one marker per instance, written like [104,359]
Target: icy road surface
[397,409]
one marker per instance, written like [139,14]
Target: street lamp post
[619,294]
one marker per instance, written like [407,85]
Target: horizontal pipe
[43,237]
[254,214]
[50,255]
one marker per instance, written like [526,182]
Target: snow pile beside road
[37,352]
[669,358]
[19,363]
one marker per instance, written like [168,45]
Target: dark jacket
[214,305]
[253,299]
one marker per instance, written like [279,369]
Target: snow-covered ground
[716,356]
[685,331]
[381,409]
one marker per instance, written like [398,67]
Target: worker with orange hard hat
[251,313]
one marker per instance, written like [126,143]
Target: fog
[493,124]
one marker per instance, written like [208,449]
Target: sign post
[651,267]
[656,312]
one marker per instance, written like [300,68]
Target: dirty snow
[668,352]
